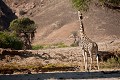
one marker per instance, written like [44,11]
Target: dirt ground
[58,56]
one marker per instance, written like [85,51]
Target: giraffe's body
[89,48]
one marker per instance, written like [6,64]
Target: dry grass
[11,68]
[49,46]
[111,63]
[62,59]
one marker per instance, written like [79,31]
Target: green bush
[119,60]
[112,60]
[60,45]
[111,63]
[37,47]
[9,40]
[113,2]
[85,4]
[57,45]
[75,44]
[81,4]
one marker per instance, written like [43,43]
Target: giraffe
[87,45]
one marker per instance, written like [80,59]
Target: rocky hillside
[57,19]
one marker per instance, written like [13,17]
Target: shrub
[112,60]
[111,63]
[119,60]
[75,44]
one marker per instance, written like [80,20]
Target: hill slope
[56,19]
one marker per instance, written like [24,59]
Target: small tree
[75,36]
[24,28]
[113,2]
[81,4]
[84,4]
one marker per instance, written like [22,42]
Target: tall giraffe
[89,48]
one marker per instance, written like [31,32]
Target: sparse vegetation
[111,63]
[113,2]
[11,63]
[57,45]
[10,40]
[37,47]
[16,67]
[75,44]
[83,5]
[50,66]
[60,45]
[75,36]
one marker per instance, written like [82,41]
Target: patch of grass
[57,45]
[16,67]
[75,44]
[37,47]
[60,45]
[111,63]
[49,66]
[21,68]
[55,65]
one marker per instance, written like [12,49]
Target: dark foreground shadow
[8,14]
[64,75]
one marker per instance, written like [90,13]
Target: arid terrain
[57,63]
[56,20]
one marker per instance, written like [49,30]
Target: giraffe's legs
[86,62]
[84,58]
[91,60]
[97,59]
[97,62]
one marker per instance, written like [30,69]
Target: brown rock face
[57,19]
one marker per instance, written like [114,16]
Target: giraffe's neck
[81,31]
[82,34]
